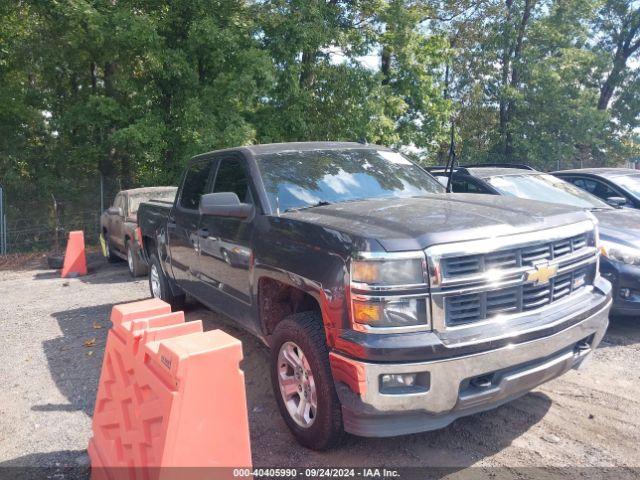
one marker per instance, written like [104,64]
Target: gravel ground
[587,418]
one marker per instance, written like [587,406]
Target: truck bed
[152,215]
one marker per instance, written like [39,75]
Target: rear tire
[136,267]
[159,285]
[319,427]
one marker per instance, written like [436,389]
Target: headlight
[374,279]
[390,311]
[620,253]
[387,272]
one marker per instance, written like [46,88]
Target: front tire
[159,285]
[302,381]
[111,256]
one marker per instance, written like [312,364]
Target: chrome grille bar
[476,281]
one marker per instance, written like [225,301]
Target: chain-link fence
[33,221]
[38,219]
[3,223]
[577,163]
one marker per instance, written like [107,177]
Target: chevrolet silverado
[389,306]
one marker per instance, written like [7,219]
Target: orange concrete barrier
[75,260]
[170,395]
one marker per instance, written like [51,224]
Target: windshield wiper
[321,203]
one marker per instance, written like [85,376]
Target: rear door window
[595,187]
[583,183]
[604,191]
[195,184]
[232,177]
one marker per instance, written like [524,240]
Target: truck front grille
[469,308]
[478,281]
[512,258]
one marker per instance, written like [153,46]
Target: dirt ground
[587,418]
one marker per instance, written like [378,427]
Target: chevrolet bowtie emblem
[542,274]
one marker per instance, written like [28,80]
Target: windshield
[306,178]
[629,182]
[136,199]
[545,188]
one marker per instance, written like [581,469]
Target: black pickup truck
[389,306]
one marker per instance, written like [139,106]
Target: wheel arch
[280,295]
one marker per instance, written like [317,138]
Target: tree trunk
[511,65]
[385,65]
[506,68]
[627,43]
[613,79]
[309,59]
[516,64]
[307,74]
[109,71]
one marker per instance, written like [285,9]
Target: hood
[400,224]
[620,225]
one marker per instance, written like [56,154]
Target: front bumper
[452,391]
[623,277]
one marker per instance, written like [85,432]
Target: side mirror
[617,201]
[224,204]
[115,211]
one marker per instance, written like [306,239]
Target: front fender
[332,302]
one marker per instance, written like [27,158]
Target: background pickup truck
[119,222]
[389,306]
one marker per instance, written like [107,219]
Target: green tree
[324,92]
[619,24]
[130,89]
[526,88]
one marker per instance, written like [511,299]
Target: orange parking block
[143,309]
[170,396]
[75,260]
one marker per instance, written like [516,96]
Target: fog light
[398,380]
[391,383]
[625,292]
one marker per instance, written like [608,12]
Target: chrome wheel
[130,259]
[297,386]
[154,278]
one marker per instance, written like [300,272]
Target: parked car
[118,225]
[619,228]
[390,307]
[616,186]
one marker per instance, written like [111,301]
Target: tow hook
[582,347]
[482,382]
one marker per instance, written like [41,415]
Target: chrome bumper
[514,370]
